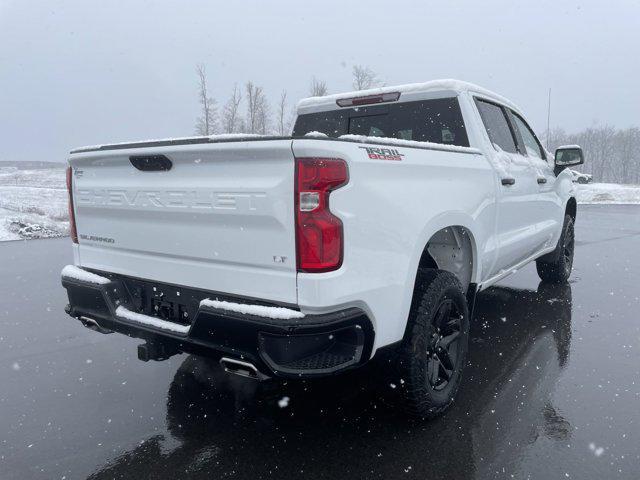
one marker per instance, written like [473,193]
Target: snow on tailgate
[215,138]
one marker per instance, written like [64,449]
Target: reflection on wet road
[552,389]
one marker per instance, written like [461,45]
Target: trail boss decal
[383,153]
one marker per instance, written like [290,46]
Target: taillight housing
[73,232]
[319,233]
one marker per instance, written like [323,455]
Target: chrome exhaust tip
[242,368]
[92,324]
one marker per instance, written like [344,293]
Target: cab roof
[328,102]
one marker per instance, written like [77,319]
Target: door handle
[508,181]
[542,180]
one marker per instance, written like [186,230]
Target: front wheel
[558,268]
[434,350]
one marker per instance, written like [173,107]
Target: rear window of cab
[436,120]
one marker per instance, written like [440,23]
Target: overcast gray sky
[84,72]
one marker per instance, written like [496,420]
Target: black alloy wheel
[433,352]
[443,352]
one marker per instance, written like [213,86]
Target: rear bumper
[311,346]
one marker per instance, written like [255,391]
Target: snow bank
[408,143]
[33,204]
[279,313]
[608,193]
[127,314]
[71,271]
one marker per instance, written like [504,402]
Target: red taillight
[72,217]
[318,232]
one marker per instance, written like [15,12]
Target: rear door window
[495,122]
[437,120]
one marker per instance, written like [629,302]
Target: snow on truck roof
[448,85]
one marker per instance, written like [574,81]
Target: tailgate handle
[151,163]
[508,181]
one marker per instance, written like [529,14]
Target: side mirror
[568,156]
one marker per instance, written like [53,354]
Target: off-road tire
[415,365]
[556,268]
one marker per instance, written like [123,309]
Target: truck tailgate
[220,219]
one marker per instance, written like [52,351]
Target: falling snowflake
[597,451]
[283,402]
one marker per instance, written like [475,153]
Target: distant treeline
[611,155]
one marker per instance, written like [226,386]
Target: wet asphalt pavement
[552,389]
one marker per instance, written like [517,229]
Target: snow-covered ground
[33,203]
[608,193]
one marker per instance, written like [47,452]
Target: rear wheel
[434,350]
[558,269]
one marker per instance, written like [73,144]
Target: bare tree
[251,92]
[206,122]
[318,88]
[257,120]
[283,122]
[264,116]
[231,113]
[364,78]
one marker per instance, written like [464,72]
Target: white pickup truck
[369,230]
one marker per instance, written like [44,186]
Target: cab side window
[531,143]
[495,121]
